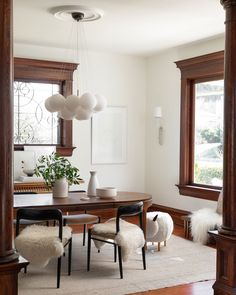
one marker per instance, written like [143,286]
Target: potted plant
[58,173]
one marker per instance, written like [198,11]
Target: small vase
[60,188]
[93,184]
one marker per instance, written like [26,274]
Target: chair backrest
[129,210]
[39,214]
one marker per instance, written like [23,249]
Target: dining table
[77,201]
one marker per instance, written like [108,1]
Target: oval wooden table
[74,202]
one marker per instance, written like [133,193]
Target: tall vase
[93,184]
[60,188]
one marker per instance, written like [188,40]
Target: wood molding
[32,70]
[199,192]
[9,276]
[193,70]
[202,66]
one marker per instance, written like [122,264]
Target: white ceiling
[139,27]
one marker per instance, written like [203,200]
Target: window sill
[61,150]
[211,194]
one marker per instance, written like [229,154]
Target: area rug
[180,262]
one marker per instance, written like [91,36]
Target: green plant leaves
[53,167]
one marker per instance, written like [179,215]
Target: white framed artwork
[109,136]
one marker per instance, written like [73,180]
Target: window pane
[33,124]
[208,155]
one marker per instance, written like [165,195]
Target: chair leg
[84,234]
[58,272]
[159,246]
[115,253]
[144,258]
[99,221]
[165,243]
[25,269]
[89,249]
[120,262]
[69,257]
[64,224]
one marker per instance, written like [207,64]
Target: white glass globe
[55,102]
[82,114]
[101,103]
[66,114]
[72,102]
[88,101]
[47,107]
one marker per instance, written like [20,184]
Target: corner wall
[162,162]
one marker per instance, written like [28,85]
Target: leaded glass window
[33,124]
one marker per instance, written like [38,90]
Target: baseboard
[174,213]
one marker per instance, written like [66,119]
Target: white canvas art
[109,136]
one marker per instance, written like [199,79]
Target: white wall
[162,162]
[122,79]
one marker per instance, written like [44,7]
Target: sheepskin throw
[159,226]
[130,237]
[202,221]
[38,244]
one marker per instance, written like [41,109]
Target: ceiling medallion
[65,12]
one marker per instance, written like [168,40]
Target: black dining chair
[46,215]
[28,222]
[94,233]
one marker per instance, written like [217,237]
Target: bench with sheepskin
[204,220]
[38,244]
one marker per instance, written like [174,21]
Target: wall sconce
[158,116]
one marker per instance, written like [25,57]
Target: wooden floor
[199,288]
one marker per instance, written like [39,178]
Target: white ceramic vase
[60,188]
[93,184]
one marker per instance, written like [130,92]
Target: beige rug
[180,262]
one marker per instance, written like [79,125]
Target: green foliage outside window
[204,175]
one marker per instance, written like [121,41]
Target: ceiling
[137,27]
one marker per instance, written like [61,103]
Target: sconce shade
[101,103]
[157,112]
[72,102]
[82,114]
[55,102]
[66,114]
[88,101]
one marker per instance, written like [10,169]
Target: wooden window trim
[201,68]
[32,70]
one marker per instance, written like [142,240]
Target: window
[208,137]
[33,124]
[34,81]
[201,129]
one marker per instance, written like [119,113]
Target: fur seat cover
[130,237]
[202,221]
[38,244]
